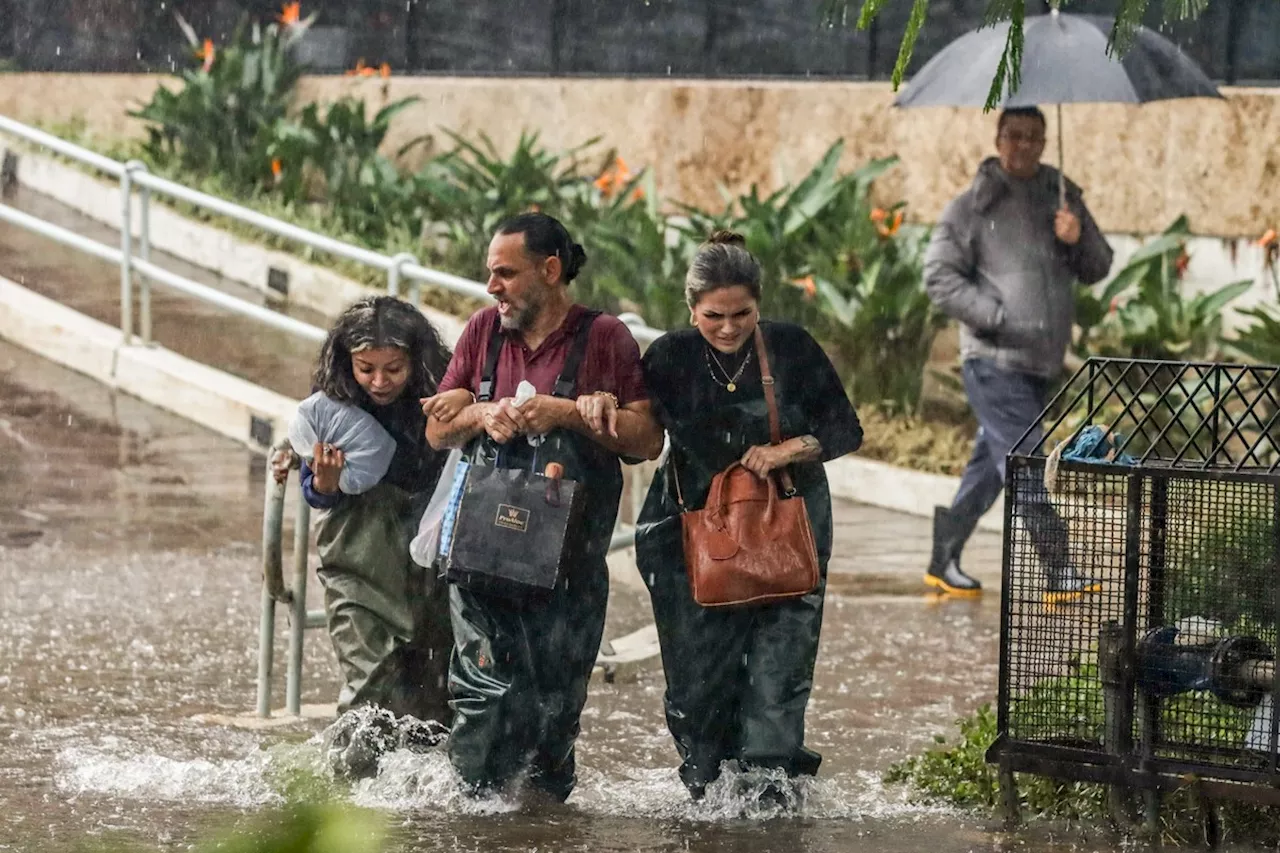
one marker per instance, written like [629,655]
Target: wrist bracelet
[610,396]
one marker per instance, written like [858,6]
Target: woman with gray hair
[738,678]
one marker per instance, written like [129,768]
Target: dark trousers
[738,678]
[1006,403]
[518,678]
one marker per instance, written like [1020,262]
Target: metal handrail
[134,174]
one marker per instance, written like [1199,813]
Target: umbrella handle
[1062,179]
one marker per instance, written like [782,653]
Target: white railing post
[396,271]
[126,256]
[144,251]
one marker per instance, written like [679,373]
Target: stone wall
[1216,161]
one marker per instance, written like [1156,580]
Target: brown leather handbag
[750,544]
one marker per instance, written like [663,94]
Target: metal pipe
[146,183]
[272,536]
[61,146]
[144,252]
[396,271]
[272,587]
[266,635]
[448,281]
[59,234]
[298,616]
[328,245]
[126,256]
[232,303]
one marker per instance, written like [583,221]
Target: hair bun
[724,237]
[577,257]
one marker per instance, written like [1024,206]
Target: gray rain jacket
[995,265]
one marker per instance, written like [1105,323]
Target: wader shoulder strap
[485,392]
[567,383]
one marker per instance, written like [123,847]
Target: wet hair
[1019,112]
[376,322]
[546,237]
[722,261]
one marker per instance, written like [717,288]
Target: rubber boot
[1064,584]
[944,571]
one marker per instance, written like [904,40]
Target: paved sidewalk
[882,551]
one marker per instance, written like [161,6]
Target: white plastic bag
[425,547]
[366,447]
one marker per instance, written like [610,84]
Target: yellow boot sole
[942,586]
[1052,598]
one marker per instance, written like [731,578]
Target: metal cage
[1154,664]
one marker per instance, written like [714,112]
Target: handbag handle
[775,426]
[719,507]
[771,403]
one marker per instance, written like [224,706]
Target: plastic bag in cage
[366,447]
[425,547]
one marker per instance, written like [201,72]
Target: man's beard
[519,319]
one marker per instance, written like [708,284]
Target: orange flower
[637,194]
[614,178]
[1268,239]
[1115,305]
[807,284]
[1180,265]
[878,215]
[290,14]
[207,53]
[385,70]
[892,227]
[362,70]
[276,168]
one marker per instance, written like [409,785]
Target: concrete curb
[309,286]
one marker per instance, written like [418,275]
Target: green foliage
[227,114]
[1259,342]
[1143,313]
[336,155]
[955,772]
[1220,570]
[845,270]
[327,828]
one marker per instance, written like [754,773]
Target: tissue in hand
[524,393]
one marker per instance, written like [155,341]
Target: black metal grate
[1167,664]
[1181,415]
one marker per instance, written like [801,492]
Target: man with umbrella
[1008,252]
[1004,260]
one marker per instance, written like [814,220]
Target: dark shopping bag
[512,531]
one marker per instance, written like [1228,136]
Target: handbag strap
[775,423]
[771,403]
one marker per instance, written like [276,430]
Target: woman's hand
[281,461]
[445,407]
[599,411]
[326,465]
[763,459]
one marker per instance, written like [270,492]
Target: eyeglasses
[1023,138]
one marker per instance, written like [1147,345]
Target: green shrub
[1143,313]
[228,113]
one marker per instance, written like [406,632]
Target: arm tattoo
[812,448]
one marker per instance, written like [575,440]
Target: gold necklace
[731,382]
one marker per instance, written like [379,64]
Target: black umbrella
[1064,61]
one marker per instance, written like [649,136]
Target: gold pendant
[732,387]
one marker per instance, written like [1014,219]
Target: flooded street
[129,604]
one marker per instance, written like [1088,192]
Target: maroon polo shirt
[611,362]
